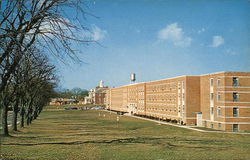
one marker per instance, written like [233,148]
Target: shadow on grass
[142,140]
[122,140]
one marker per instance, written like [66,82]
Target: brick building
[97,95]
[219,100]
[228,105]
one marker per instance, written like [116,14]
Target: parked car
[70,108]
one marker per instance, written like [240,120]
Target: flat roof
[181,77]
[222,72]
[155,80]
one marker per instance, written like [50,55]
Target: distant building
[90,98]
[97,95]
[62,101]
[218,100]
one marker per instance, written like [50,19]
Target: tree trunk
[22,117]
[35,115]
[15,113]
[28,119]
[5,120]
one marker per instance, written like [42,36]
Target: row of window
[161,109]
[162,105]
[161,96]
[162,87]
[235,96]
[168,100]
[235,127]
[235,111]
[154,90]
[132,100]
[235,82]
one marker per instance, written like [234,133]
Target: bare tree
[33,82]
[25,24]
[42,23]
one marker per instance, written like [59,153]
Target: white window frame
[237,113]
[211,82]
[218,82]
[218,111]
[218,96]
[219,125]
[211,96]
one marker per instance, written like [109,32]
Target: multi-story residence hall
[218,100]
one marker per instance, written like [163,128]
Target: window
[235,81]
[219,125]
[218,96]
[212,110]
[211,82]
[218,112]
[211,96]
[235,97]
[211,125]
[235,112]
[205,123]
[218,83]
[235,127]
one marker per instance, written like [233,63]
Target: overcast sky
[160,39]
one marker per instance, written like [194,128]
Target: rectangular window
[211,82]
[205,123]
[212,110]
[211,96]
[235,82]
[218,83]
[235,112]
[235,97]
[219,125]
[218,111]
[235,127]
[218,96]
[211,125]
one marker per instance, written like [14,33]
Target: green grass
[59,107]
[79,135]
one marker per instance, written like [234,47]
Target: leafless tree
[42,24]
[34,82]
[30,87]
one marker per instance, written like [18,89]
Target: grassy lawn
[79,135]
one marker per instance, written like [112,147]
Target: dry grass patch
[86,135]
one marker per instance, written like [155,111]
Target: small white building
[97,95]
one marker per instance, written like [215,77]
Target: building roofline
[156,80]
[206,74]
[181,77]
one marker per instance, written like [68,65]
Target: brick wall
[180,99]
